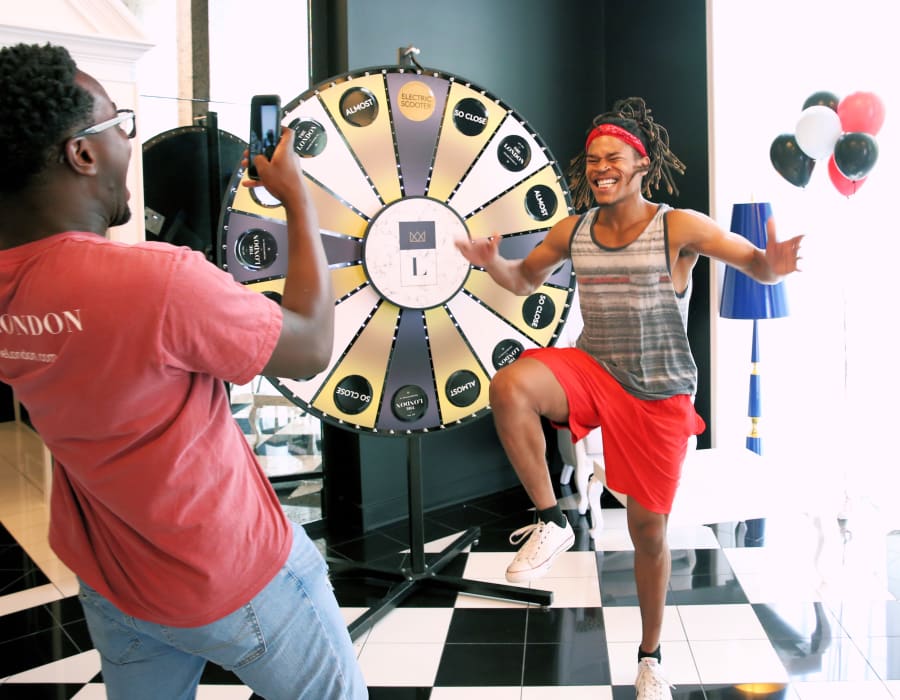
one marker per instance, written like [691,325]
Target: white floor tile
[582,592]
[437,546]
[73,669]
[487,566]
[610,540]
[720,622]
[738,661]
[753,560]
[573,565]
[400,664]
[492,693]
[29,598]
[582,692]
[692,537]
[776,587]
[92,691]
[466,600]
[412,626]
[870,690]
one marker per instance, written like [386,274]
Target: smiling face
[112,150]
[614,170]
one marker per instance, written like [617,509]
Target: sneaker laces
[536,532]
[650,677]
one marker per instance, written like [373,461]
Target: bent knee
[529,383]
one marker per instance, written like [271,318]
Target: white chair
[580,460]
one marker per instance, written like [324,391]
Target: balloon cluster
[841,130]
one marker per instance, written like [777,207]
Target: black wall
[556,65]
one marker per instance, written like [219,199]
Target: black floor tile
[369,548]
[66,610]
[487,626]
[14,558]
[39,691]
[25,622]
[509,501]
[704,590]
[581,627]
[6,539]
[566,664]
[462,517]
[79,634]
[472,665]
[19,572]
[399,693]
[35,650]
[213,674]
[433,531]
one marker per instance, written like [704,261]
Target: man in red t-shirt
[118,352]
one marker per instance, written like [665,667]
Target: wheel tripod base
[409,580]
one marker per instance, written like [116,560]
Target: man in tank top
[631,372]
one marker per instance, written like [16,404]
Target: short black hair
[633,115]
[39,105]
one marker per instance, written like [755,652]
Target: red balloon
[861,111]
[842,184]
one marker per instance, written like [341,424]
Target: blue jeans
[288,642]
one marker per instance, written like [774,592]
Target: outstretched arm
[697,232]
[522,276]
[307,333]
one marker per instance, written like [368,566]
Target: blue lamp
[745,298]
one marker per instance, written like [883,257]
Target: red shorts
[644,441]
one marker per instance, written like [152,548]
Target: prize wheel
[400,162]
[177,209]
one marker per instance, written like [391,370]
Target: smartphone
[265,128]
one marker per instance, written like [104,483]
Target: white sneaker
[651,684]
[533,560]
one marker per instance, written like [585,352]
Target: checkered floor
[811,615]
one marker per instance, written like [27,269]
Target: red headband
[618,132]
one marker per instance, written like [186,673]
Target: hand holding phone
[265,129]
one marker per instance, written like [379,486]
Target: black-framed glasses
[124,119]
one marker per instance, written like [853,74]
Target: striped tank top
[635,324]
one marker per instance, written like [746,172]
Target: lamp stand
[756,528]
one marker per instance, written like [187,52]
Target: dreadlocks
[633,115]
[39,104]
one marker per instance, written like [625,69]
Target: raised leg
[520,394]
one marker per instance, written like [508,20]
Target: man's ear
[78,154]
[643,165]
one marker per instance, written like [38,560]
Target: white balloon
[818,129]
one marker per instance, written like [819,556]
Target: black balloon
[824,98]
[855,154]
[790,161]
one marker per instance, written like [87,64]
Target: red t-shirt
[118,353]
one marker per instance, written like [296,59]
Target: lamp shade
[742,296]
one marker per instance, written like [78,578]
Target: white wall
[829,397]
[105,41]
